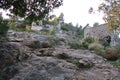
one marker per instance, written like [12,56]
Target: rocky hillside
[19,62]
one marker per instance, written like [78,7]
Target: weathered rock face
[65,64]
[45,40]
[45,68]
[10,53]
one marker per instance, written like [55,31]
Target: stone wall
[97,32]
[101,31]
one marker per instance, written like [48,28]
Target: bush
[28,28]
[89,39]
[104,43]
[3,28]
[95,46]
[52,32]
[84,44]
[115,63]
[74,44]
[111,54]
[86,41]
[16,26]
[117,47]
[12,25]
[52,42]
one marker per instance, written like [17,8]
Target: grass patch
[115,63]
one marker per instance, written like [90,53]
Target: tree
[30,9]
[95,24]
[111,10]
[3,26]
[51,20]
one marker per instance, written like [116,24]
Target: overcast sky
[76,11]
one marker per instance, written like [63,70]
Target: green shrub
[110,53]
[52,43]
[16,26]
[86,41]
[84,44]
[64,28]
[3,28]
[117,47]
[89,39]
[52,32]
[104,43]
[74,44]
[12,25]
[97,47]
[115,63]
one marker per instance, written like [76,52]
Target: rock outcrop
[10,54]
[65,64]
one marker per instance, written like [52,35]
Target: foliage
[111,54]
[111,9]
[86,41]
[12,25]
[52,32]
[28,28]
[80,31]
[115,63]
[89,39]
[52,43]
[3,27]
[95,24]
[84,44]
[16,26]
[19,24]
[74,43]
[52,20]
[30,9]
[106,41]
[67,27]
[117,47]
[95,46]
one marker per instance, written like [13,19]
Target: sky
[76,11]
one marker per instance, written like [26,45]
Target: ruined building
[98,32]
[101,31]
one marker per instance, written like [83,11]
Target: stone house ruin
[100,32]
